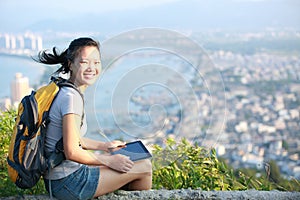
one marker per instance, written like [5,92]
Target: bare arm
[72,150]
[91,144]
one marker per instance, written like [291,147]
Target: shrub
[7,187]
[176,166]
[184,165]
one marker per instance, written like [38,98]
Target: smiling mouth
[90,75]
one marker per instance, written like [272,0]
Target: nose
[94,66]
[91,67]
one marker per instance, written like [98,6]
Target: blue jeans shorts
[81,184]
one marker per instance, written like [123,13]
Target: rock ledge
[183,194]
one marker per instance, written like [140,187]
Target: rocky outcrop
[183,194]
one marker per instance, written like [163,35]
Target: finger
[127,168]
[124,168]
[129,163]
[116,146]
[117,142]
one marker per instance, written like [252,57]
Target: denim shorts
[81,184]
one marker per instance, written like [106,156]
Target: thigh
[82,184]
[111,180]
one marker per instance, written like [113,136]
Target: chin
[90,82]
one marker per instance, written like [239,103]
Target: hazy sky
[16,15]
[32,10]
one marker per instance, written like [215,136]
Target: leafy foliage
[7,187]
[187,166]
[184,165]
[177,165]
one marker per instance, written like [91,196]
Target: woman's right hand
[114,145]
[120,163]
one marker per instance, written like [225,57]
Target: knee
[148,165]
[145,166]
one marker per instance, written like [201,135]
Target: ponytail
[67,56]
[54,58]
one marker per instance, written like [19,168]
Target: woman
[84,175]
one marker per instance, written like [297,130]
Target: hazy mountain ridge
[185,15]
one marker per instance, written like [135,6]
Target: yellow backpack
[26,160]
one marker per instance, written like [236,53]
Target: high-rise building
[19,88]
[39,41]
[20,44]
[5,104]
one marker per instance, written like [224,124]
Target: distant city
[19,87]
[18,44]
[261,74]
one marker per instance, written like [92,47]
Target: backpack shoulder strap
[66,83]
[58,156]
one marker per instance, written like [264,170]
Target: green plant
[6,128]
[7,187]
[187,166]
[183,165]
[177,165]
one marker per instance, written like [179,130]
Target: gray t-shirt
[67,101]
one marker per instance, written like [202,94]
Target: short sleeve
[72,102]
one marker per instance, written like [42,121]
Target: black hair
[66,56]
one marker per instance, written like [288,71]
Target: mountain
[185,14]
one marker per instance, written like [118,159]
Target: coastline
[16,55]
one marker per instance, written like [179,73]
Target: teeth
[89,76]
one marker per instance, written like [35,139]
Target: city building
[20,44]
[19,88]
[5,104]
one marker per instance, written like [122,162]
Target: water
[135,93]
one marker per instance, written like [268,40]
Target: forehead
[89,52]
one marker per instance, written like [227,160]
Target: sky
[30,11]
[16,15]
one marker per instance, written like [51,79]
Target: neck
[81,88]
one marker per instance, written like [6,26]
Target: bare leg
[138,178]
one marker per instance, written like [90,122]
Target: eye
[97,62]
[84,62]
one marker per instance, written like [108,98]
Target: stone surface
[183,194]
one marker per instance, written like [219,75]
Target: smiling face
[86,67]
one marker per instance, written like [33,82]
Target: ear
[70,66]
